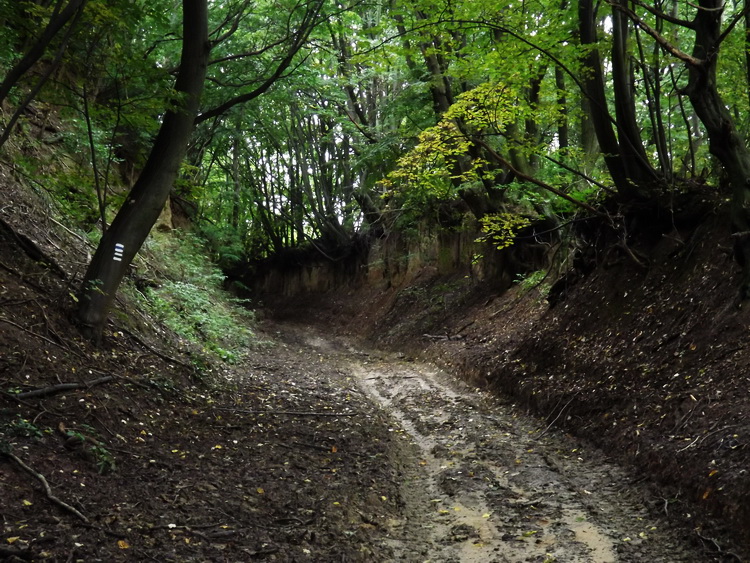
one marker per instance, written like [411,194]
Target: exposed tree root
[45,484]
[62,387]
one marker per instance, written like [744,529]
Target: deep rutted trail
[482,482]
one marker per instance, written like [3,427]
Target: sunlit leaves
[500,229]
[432,164]
[488,106]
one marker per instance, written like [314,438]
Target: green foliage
[90,441]
[24,428]
[534,280]
[432,166]
[190,300]
[500,229]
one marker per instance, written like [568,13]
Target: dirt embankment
[648,363]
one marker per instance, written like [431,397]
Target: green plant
[534,280]
[500,229]
[103,459]
[23,428]
[191,300]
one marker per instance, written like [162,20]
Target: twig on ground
[717,547]
[16,399]
[84,240]
[435,337]
[46,486]
[562,410]
[32,333]
[64,387]
[153,350]
[392,377]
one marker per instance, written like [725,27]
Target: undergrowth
[184,290]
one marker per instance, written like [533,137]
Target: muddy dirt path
[482,482]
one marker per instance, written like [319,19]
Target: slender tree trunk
[236,182]
[747,50]
[600,117]
[563,126]
[725,143]
[143,205]
[37,50]
[632,153]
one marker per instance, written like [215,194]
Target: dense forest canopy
[281,123]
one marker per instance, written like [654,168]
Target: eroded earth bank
[316,447]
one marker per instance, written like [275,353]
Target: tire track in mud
[483,483]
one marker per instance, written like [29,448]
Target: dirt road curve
[485,483]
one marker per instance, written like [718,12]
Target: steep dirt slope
[649,363]
[132,451]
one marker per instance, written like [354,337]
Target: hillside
[306,448]
[149,448]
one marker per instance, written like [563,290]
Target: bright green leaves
[500,229]
[433,165]
[446,158]
[488,106]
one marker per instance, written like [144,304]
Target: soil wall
[393,261]
[397,260]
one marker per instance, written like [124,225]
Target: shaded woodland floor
[310,449]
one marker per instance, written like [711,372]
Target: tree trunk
[725,143]
[35,52]
[143,205]
[593,83]
[632,153]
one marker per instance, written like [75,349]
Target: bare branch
[732,24]
[62,387]
[665,16]
[656,36]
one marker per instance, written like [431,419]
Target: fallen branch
[15,398]
[60,388]
[435,337]
[392,377]
[46,486]
[562,410]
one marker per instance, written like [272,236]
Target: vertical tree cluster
[285,123]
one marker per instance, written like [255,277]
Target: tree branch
[656,36]
[308,23]
[534,181]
